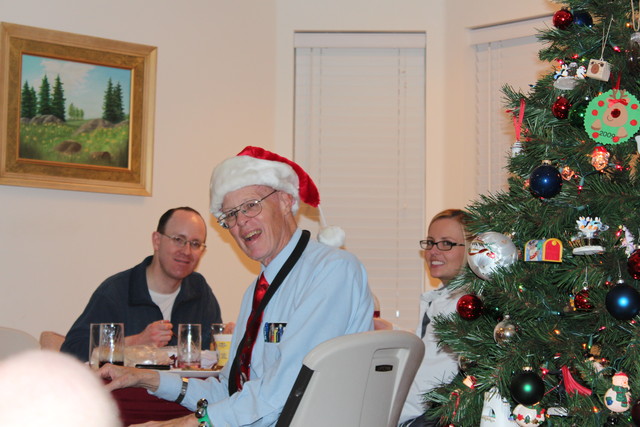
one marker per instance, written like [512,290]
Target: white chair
[354,380]
[50,340]
[15,341]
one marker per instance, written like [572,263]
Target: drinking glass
[106,344]
[220,343]
[189,345]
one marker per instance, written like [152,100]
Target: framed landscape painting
[76,112]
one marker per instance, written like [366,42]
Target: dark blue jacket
[124,298]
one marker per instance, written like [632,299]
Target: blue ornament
[545,181]
[582,19]
[623,301]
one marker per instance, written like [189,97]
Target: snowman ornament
[618,397]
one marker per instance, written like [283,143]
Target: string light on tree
[600,158]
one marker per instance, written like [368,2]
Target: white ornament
[528,416]
[489,251]
[516,148]
[496,410]
[565,83]
[589,228]
[618,397]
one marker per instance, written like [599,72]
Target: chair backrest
[15,341]
[354,380]
[50,340]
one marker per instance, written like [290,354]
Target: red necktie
[251,332]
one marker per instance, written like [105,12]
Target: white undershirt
[164,301]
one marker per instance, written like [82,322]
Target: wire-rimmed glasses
[249,209]
[181,242]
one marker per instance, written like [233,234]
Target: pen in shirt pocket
[273,331]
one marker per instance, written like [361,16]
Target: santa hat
[257,166]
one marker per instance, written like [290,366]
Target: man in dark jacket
[153,297]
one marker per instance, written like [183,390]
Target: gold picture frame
[45,74]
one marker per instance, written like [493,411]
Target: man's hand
[158,333]
[382,324]
[229,327]
[186,421]
[123,377]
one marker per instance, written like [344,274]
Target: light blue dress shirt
[325,295]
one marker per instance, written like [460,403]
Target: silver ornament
[488,251]
[505,331]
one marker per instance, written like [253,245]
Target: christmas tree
[549,326]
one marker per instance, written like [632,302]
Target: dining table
[137,406]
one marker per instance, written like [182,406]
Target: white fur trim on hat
[243,171]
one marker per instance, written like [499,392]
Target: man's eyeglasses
[443,245]
[181,242]
[249,209]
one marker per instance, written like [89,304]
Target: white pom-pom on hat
[257,166]
[330,235]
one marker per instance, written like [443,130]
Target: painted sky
[84,84]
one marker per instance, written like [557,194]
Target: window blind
[360,133]
[504,54]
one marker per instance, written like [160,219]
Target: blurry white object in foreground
[46,387]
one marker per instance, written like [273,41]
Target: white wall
[224,81]
[57,246]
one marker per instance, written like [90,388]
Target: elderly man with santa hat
[308,292]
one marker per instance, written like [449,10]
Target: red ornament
[469,307]
[560,108]
[633,264]
[562,19]
[581,300]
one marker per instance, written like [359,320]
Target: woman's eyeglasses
[443,245]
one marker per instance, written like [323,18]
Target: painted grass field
[61,143]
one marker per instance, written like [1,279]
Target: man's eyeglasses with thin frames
[181,242]
[249,209]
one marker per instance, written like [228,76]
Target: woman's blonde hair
[459,215]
